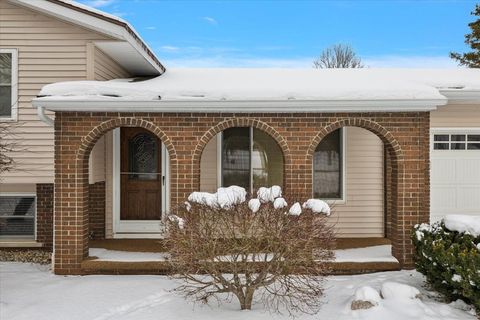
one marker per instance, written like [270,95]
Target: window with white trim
[456,141]
[328,171]
[250,158]
[17,216]
[8,84]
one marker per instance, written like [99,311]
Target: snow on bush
[254,205]
[317,206]
[295,209]
[447,253]
[223,198]
[395,290]
[279,203]
[463,224]
[269,194]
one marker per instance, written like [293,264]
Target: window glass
[17,216]
[327,167]
[143,157]
[473,146]
[267,161]
[236,157]
[440,146]
[474,137]
[441,137]
[5,84]
[457,146]
[457,137]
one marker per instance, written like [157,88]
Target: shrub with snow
[395,290]
[224,243]
[365,298]
[448,254]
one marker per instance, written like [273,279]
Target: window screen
[5,84]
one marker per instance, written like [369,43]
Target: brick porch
[405,136]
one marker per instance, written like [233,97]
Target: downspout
[41,114]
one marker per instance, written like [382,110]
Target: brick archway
[71,239]
[393,186]
[240,122]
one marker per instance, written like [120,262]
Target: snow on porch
[369,254]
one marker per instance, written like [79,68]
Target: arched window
[328,167]
[250,158]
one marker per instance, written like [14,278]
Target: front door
[140,175]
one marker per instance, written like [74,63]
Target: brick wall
[96,211]
[45,214]
[405,136]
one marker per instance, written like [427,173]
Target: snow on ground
[463,224]
[369,254]
[30,291]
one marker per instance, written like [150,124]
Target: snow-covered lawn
[29,291]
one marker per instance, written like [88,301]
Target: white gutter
[461,96]
[41,114]
[237,106]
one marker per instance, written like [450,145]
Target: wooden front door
[140,175]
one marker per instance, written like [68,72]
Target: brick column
[45,214]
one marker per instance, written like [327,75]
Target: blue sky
[292,33]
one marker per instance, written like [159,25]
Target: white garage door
[455,173]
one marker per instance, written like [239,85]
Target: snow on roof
[230,84]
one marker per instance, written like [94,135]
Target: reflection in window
[327,167]
[250,159]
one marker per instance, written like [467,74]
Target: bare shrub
[6,148]
[278,258]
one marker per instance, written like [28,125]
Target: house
[389,148]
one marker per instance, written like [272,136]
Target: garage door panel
[468,198]
[468,170]
[444,198]
[455,177]
[444,170]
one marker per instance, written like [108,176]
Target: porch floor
[144,256]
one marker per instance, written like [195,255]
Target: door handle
[163,180]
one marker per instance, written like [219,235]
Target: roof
[131,51]
[270,90]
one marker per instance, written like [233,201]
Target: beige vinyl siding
[49,50]
[96,162]
[362,212]
[456,116]
[208,167]
[105,68]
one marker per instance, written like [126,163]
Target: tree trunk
[248,299]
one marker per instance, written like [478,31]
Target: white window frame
[14,83]
[343,198]
[449,131]
[29,195]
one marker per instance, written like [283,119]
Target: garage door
[455,173]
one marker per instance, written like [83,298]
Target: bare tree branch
[338,56]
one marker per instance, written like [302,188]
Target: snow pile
[394,290]
[254,205]
[224,197]
[269,194]
[369,294]
[295,209]
[463,224]
[114,255]
[317,206]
